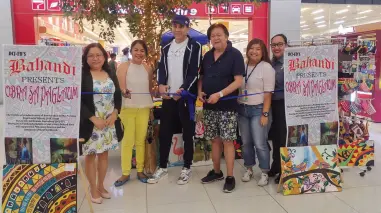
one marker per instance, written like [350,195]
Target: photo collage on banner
[310,162]
[42,90]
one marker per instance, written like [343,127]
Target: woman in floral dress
[99,112]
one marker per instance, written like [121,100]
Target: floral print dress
[105,139]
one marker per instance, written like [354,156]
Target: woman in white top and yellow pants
[254,115]
[135,79]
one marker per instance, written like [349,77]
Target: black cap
[180,19]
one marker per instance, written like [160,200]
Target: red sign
[38,5]
[210,9]
[54,5]
[248,9]
[223,9]
[235,9]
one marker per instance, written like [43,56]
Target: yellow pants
[135,121]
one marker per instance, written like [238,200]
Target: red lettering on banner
[20,65]
[311,88]
[297,64]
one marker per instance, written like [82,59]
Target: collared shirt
[219,74]
[279,78]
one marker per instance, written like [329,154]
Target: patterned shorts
[221,124]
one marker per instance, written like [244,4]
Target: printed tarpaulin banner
[42,91]
[311,82]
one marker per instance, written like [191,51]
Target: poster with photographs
[42,90]
[311,87]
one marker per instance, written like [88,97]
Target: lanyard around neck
[251,72]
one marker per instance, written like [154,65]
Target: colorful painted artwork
[310,169]
[39,188]
[357,154]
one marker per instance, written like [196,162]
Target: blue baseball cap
[180,19]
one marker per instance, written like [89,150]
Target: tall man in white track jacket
[178,70]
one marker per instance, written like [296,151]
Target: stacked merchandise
[356,77]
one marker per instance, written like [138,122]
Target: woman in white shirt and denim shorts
[254,118]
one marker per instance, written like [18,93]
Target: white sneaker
[185,176]
[247,176]
[159,174]
[264,180]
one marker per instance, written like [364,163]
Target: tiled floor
[360,194]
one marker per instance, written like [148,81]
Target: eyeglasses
[280,44]
[95,56]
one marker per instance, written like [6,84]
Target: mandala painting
[39,188]
[359,153]
[310,169]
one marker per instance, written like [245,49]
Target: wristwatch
[221,94]
[266,114]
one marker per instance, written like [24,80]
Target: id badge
[244,92]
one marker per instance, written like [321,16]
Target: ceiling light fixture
[320,22]
[317,11]
[342,11]
[339,22]
[304,26]
[320,17]
[323,25]
[342,17]
[304,9]
[361,17]
[302,22]
[366,11]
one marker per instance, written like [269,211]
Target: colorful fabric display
[345,106]
[354,109]
[371,110]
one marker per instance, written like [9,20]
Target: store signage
[210,9]
[53,5]
[346,30]
[310,91]
[236,9]
[196,10]
[248,9]
[223,9]
[38,5]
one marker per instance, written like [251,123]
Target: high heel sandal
[105,195]
[95,200]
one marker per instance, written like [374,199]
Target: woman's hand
[127,93]
[111,119]
[201,97]
[98,123]
[264,120]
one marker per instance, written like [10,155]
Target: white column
[285,18]
[6,35]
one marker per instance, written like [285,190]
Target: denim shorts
[221,124]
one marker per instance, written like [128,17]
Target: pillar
[285,18]
[6,35]
[259,23]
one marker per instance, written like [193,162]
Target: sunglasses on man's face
[280,44]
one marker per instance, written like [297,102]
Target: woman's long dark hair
[265,53]
[86,66]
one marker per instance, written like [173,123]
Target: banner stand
[42,125]
[309,162]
